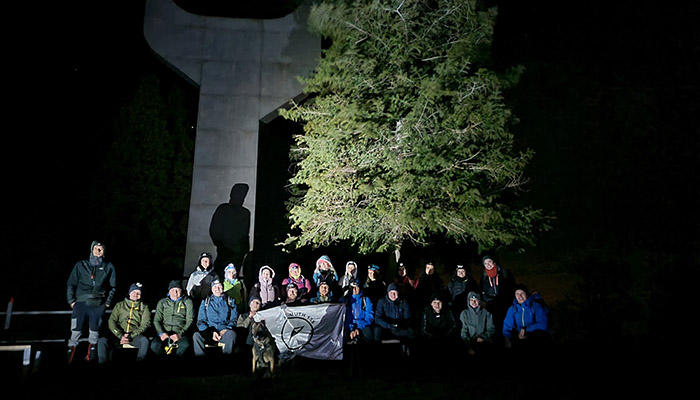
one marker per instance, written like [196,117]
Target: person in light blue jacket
[527,319]
[216,321]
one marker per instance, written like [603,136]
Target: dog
[265,351]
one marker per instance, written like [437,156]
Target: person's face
[292,293]
[393,295]
[323,289]
[355,289]
[135,295]
[205,262]
[175,293]
[231,273]
[351,268]
[402,271]
[370,274]
[217,290]
[266,273]
[437,305]
[489,264]
[520,296]
[429,269]
[461,273]
[294,272]
[98,250]
[473,302]
[255,305]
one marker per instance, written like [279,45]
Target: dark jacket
[94,285]
[392,314]
[438,325]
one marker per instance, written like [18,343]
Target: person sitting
[393,320]
[216,321]
[359,315]
[129,321]
[293,298]
[324,294]
[174,317]
[245,320]
[478,329]
[438,326]
[527,321]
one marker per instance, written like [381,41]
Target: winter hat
[230,266]
[174,284]
[522,287]
[374,267]
[354,283]
[254,298]
[474,295]
[324,260]
[208,255]
[292,285]
[135,286]
[435,296]
[294,265]
[216,282]
[264,267]
[460,266]
[486,257]
[96,243]
[392,286]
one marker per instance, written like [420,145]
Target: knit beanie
[135,286]
[174,284]
[392,286]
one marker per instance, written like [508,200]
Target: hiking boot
[71,353]
[92,353]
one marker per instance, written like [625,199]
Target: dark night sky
[69,66]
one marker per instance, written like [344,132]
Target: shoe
[92,353]
[71,353]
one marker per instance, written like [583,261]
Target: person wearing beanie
[324,294]
[245,320]
[292,298]
[172,321]
[527,321]
[216,320]
[497,286]
[478,329]
[359,315]
[393,319]
[438,327]
[461,283]
[296,277]
[374,287]
[199,282]
[235,288]
[266,289]
[129,321]
[90,291]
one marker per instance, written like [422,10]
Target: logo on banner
[296,332]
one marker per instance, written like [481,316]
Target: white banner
[312,331]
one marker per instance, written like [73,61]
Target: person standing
[266,289]
[497,287]
[90,290]
[173,319]
[129,321]
[199,282]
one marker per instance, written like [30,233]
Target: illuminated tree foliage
[406,134]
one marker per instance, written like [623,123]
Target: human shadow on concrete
[230,231]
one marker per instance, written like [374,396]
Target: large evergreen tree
[406,136]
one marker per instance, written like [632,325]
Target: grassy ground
[567,372]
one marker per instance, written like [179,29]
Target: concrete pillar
[245,69]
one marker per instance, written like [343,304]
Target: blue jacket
[531,315]
[217,312]
[358,312]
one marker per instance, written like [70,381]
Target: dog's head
[259,330]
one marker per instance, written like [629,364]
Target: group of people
[211,311]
